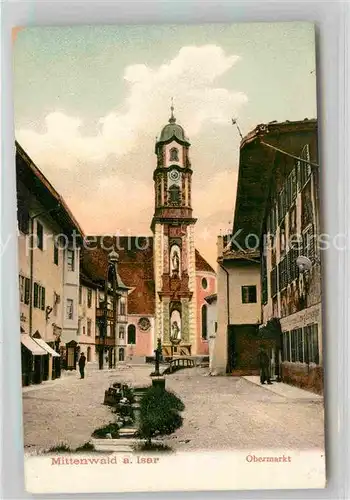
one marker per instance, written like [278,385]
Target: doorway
[121,354]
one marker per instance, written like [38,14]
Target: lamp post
[113,258]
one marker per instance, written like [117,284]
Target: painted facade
[140,337]
[88,293]
[164,272]
[291,229]
[206,285]
[277,202]
[176,283]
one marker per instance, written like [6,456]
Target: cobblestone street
[221,412]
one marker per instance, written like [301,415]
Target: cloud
[110,169]
[189,77]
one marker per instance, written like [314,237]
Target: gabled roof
[202,264]
[135,267]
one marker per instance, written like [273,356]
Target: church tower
[174,250]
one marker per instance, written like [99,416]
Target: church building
[167,277]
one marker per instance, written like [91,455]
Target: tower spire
[172,118]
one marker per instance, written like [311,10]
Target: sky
[90,101]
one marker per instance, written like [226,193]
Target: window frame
[55,254]
[172,156]
[204,322]
[248,289]
[69,315]
[39,296]
[21,288]
[131,325]
[70,262]
[39,235]
[121,332]
[89,298]
[122,307]
[27,291]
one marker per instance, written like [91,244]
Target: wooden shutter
[42,298]
[26,291]
[36,295]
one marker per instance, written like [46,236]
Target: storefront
[33,358]
[50,370]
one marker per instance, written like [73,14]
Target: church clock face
[174,176]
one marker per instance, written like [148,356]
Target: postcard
[169,265]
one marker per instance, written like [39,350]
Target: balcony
[108,341]
[101,312]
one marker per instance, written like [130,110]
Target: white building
[238,312]
[212,324]
[88,293]
[48,244]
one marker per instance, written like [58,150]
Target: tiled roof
[135,268]
[251,255]
[202,264]
[211,298]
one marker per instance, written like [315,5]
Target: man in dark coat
[82,361]
[264,363]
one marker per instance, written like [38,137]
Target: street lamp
[113,258]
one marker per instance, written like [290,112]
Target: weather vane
[172,117]
[234,122]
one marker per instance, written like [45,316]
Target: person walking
[264,363]
[82,362]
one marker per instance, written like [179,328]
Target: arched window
[122,309]
[174,195]
[131,334]
[205,322]
[121,354]
[174,154]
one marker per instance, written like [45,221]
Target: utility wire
[313,164]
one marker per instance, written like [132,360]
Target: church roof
[173,130]
[135,267]
[202,264]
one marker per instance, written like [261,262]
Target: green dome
[173,130]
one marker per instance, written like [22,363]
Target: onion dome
[173,130]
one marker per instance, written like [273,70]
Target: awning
[46,347]
[32,346]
